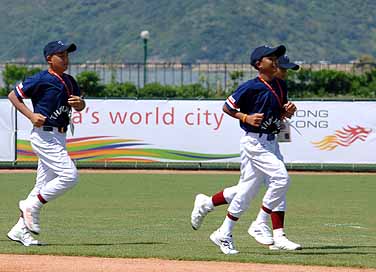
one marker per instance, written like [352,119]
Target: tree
[14,73]
[89,83]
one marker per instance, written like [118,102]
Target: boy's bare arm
[36,118]
[252,119]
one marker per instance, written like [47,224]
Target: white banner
[148,131]
[332,132]
[7,135]
[198,131]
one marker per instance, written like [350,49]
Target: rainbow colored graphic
[344,138]
[111,149]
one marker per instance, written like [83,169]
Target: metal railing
[217,75]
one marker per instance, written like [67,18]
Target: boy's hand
[37,119]
[288,110]
[255,119]
[76,102]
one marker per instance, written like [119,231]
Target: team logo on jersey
[344,138]
[272,124]
[63,109]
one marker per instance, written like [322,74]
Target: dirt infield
[38,263]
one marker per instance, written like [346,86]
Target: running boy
[259,228]
[259,104]
[53,94]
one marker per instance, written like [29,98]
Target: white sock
[278,232]
[227,226]
[20,223]
[262,217]
[35,202]
[210,204]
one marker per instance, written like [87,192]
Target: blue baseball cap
[58,47]
[264,51]
[284,62]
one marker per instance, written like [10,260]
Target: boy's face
[281,73]
[59,61]
[268,65]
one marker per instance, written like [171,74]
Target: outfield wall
[7,131]
[341,132]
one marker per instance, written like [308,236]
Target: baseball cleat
[261,232]
[225,243]
[30,216]
[200,210]
[282,243]
[23,236]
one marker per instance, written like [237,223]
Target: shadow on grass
[106,244]
[95,244]
[339,247]
[322,250]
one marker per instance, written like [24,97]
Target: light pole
[145,36]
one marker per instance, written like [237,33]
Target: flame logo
[344,138]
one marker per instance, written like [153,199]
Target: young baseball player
[259,104]
[259,228]
[53,94]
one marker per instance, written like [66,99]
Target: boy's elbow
[225,108]
[11,95]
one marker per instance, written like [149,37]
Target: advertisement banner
[147,131]
[7,131]
[332,132]
[199,131]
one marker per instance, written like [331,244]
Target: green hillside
[189,31]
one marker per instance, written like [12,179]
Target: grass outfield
[148,215]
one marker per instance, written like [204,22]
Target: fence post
[138,75]
[181,74]
[225,79]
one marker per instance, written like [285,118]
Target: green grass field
[148,215]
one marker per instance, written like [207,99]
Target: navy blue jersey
[254,96]
[49,96]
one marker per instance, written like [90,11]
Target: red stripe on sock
[218,199]
[41,199]
[266,210]
[233,218]
[278,219]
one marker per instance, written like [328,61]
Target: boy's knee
[71,176]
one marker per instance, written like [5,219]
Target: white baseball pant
[261,161]
[56,171]
[230,192]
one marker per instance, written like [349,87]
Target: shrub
[4,92]
[192,91]
[236,78]
[116,89]
[323,83]
[156,90]
[365,85]
[89,83]
[14,73]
